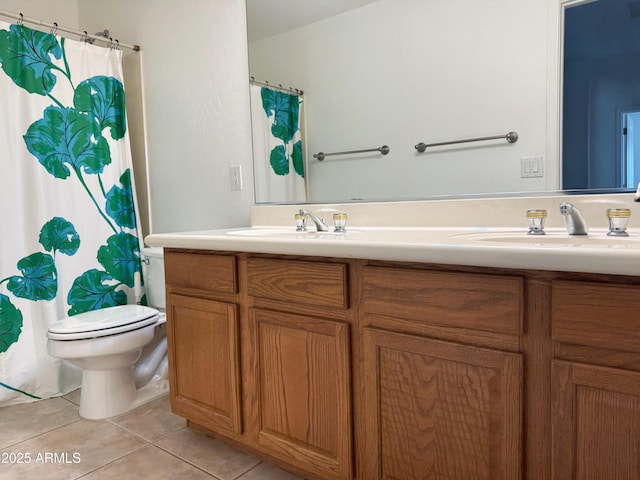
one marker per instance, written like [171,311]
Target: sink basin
[261,232]
[285,232]
[600,240]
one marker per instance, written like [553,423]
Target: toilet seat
[103,322]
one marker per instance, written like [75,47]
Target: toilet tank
[153,275]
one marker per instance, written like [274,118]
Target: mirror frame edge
[554,92]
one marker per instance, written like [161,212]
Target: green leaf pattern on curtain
[65,140]
[92,290]
[103,97]
[298,160]
[38,280]
[120,205]
[279,160]
[65,136]
[10,323]
[59,234]
[26,58]
[285,110]
[120,257]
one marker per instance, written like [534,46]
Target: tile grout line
[113,461]
[148,440]
[146,443]
[187,462]
[252,468]
[68,400]
[41,433]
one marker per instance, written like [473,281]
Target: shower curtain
[277,146]
[69,241]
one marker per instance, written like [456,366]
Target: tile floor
[149,442]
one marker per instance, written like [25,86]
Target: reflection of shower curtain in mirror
[69,237]
[277,146]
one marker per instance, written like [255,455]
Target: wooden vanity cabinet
[354,369]
[596,381]
[204,354]
[436,405]
[203,339]
[260,353]
[300,350]
[303,397]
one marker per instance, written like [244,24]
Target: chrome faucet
[320,225]
[574,219]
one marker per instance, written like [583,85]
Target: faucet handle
[340,222]
[618,219]
[301,222]
[535,219]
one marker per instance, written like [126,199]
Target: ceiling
[266,18]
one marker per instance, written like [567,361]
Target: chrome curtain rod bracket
[56,28]
[511,137]
[383,150]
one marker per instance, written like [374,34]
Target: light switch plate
[235,172]
[532,167]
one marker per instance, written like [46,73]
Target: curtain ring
[54,29]
[85,39]
[110,45]
[117,47]
[21,21]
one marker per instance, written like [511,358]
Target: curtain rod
[55,27]
[290,90]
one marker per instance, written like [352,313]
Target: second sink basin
[555,239]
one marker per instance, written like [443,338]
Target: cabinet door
[596,422]
[440,410]
[204,362]
[304,391]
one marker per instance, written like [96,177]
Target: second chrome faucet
[319,222]
[339,220]
[576,225]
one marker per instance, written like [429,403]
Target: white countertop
[488,232]
[474,246]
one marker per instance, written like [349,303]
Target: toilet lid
[103,322]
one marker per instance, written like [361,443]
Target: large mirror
[401,72]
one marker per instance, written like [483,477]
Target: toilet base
[108,393]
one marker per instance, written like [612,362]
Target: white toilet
[121,350]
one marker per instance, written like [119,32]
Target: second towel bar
[511,137]
[383,150]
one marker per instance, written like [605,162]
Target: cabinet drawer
[595,314]
[489,303]
[300,282]
[201,271]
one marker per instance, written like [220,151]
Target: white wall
[399,72]
[196,98]
[196,104]
[64,12]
